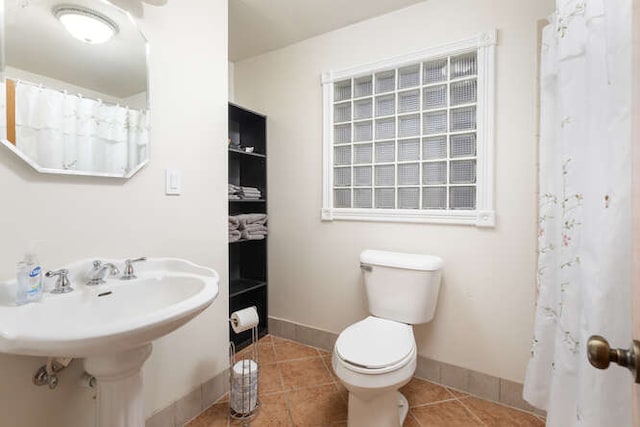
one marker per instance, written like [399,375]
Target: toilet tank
[400,286]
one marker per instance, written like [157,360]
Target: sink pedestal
[119,377]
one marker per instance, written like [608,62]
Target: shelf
[247,261]
[237,151]
[248,240]
[240,286]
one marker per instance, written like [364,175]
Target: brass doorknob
[601,355]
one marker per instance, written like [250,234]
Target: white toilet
[376,356]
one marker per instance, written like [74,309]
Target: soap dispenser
[29,279]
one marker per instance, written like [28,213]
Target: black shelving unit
[248,258]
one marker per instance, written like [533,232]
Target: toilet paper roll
[243,320]
[247,369]
[244,403]
[244,386]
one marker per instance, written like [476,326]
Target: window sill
[477,218]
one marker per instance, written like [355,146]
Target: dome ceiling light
[86,25]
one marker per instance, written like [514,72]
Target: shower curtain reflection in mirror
[63,131]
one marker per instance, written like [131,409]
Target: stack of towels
[250,193]
[237,192]
[234,192]
[247,226]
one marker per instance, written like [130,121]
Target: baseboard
[475,383]
[192,404]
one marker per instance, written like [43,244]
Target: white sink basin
[110,326]
[113,317]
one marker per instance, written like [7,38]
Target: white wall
[139,101]
[231,82]
[51,83]
[484,317]
[83,217]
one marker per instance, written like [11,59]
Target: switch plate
[173,182]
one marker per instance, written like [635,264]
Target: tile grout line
[229,420]
[306,345]
[468,394]
[414,418]
[472,413]
[284,391]
[422,405]
[298,359]
[504,405]
[450,392]
[334,378]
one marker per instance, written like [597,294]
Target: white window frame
[484,214]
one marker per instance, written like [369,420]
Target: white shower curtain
[64,131]
[584,246]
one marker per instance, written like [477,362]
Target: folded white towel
[254,218]
[250,236]
[246,234]
[234,235]
[255,227]
[234,221]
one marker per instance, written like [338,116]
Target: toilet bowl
[373,358]
[376,356]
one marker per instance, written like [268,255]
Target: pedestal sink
[110,326]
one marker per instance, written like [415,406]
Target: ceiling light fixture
[86,25]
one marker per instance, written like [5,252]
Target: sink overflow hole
[104,294]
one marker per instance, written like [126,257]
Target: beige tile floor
[298,388]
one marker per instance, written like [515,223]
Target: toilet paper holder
[244,371]
[245,319]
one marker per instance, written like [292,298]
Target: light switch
[173,182]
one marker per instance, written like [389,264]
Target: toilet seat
[375,346]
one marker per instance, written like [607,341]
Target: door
[635,206]
[635,198]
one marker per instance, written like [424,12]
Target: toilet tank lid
[401,260]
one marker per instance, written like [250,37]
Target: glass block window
[423,133]
[408,140]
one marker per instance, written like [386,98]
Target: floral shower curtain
[584,245]
[64,131]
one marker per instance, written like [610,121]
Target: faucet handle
[63,285]
[128,268]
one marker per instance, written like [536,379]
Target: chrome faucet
[99,271]
[63,285]
[129,274]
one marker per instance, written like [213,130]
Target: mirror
[76,106]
